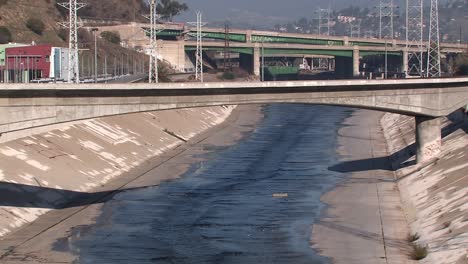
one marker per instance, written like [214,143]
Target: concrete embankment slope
[45,171]
[435,197]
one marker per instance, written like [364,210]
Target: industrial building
[20,63]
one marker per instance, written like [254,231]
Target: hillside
[15,13]
[120,10]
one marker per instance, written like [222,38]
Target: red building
[28,63]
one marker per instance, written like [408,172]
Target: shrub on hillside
[111,36]
[35,25]
[3,2]
[62,34]
[5,35]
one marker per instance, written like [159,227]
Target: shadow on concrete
[366,235]
[20,195]
[401,157]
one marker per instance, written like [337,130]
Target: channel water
[252,202]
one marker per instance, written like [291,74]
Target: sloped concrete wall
[435,197]
[42,172]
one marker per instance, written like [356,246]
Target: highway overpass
[27,109]
[251,43]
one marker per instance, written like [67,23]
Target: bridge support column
[405,63]
[256,61]
[428,138]
[356,58]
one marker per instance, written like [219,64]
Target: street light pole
[263,61]
[386,60]
[95,30]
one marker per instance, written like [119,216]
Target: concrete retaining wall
[41,172]
[435,197]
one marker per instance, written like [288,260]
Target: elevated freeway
[26,109]
[249,44]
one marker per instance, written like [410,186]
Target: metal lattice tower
[414,36]
[324,21]
[433,61]
[355,29]
[324,29]
[72,25]
[386,16]
[199,52]
[153,74]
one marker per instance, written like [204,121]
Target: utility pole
[95,30]
[199,52]
[386,16]
[263,61]
[414,36]
[386,60]
[105,68]
[72,25]
[433,61]
[227,53]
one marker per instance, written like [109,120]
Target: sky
[266,12]
[262,11]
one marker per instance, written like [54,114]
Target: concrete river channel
[252,202]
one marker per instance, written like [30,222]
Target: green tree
[170,8]
[5,35]
[111,36]
[35,25]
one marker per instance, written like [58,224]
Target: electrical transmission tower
[72,25]
[355,29]
[433,61]
[324,29]
[199,52]
[153,75]
[386,16]
[414,36]
[324,21]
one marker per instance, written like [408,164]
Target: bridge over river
[27,109]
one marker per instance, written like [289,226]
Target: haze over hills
[264,13]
